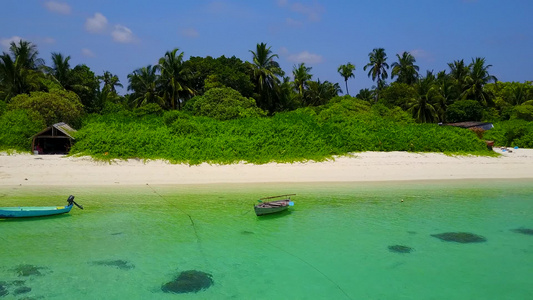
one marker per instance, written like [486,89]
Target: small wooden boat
[37,211]
[270,207]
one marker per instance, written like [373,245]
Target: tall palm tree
[60,69]
[378,67]
[476,80]
[422,107]
[519,94]
[346,72]
[110,81]
[27,54]
[405,69]
[459,71]
[287,99]
[20,70]
[319,93]
[301,76]
[266,71]
[365,94]
[447,91]
[175,76]
[144,84]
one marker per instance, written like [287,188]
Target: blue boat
[37,211]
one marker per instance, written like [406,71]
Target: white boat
[270,207]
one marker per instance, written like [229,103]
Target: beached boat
[37,211]
[270,207]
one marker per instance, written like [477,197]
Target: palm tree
[266,71]
[20,72]
[144,84]
[301,76]
[422,107]
[60,69]
[519,94]
[27,55]
[110,81]
[365,94]
[447,91]
[174,76]
[459,71]
[287,99]
[319,93]
[346,72]
[378,67]
[476,80]
[405,69]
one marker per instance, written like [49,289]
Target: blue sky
[121,36]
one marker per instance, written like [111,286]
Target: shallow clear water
[333,244]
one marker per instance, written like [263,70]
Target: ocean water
[333,244]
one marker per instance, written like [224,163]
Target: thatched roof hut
[469,125]
[56,139]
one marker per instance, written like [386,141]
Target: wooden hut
[482,126]
[56,139]
[470,125]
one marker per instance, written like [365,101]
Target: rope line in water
[309,264]
[181,210]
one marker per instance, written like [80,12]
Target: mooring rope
[181,210]
[315,268]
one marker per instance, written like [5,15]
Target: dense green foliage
[523,112]
[464,110]
[53,107]
[511,133]
[305,134]
[223,104]
[215,109]
[212,72]
[18,126]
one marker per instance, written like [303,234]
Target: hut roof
[63,127]
[484,125]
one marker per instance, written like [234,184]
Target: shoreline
[58,170]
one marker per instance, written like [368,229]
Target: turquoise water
[333,244]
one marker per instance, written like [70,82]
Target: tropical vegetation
[225,109]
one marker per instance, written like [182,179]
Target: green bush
[18,127]
[511,133]
[341,108]
[172,115]
[298,135]
[223,104]
[464,110]
[524,112]
[3,107]
[148,109]
[53,107]
[110,107]
[491,114]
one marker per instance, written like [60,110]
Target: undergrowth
[299,135]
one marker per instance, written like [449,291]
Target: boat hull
[29,212]
[266,208]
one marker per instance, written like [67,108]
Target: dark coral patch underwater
[17,285]
[400,249]
[460,237]
[527,231]
[28,270]
[191,281]
[3,290]
[22,290]
[119,264]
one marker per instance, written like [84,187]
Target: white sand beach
[58,170]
